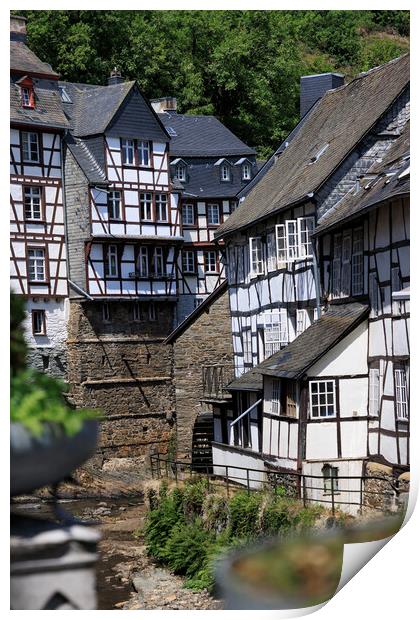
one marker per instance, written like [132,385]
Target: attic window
[171,131]
[65,97]
[225,172]
[27,96]
[180,172]
[319,153]
[246,171]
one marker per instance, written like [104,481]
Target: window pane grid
[322,398]
[188,215]
[213,214]
[357,262]
[401,393]
[161,201]
[32,199]
[36,265]
[146,206]
[143,150]
[275,397]
[114,205]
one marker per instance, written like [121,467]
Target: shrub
[194,493]
[159,525]
[244,510]
[215,513]
[186,548]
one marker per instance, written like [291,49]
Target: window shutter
[281,245]
[374,391]
[346,266]
[306,227]
[292,242]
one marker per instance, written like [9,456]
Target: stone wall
[124,368]
[380,492]
[207,340]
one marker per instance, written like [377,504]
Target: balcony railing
[215,378]
[137,275]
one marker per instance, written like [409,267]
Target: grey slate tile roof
[202,136]
[340,119]
[22,59]
[94,173]
[388,184]
[293,361]
[203,178]
[48,111]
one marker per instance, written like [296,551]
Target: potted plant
[48,439]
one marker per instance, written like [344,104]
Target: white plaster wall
[353,439]
[228,456]
[56,316]
[348,357]
[349,490]
[353,394]
[321,440]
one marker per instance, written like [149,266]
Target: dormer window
[27,94]
[246,171]
[181,172]
[225,172]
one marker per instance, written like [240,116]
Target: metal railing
[215,378]
[334,491]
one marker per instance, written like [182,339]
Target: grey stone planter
[45,460]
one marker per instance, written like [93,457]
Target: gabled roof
[384,181]
[203,307]
[294,360]
[202,136]
[203,179]
[23,60]
[341,118]
[48,110]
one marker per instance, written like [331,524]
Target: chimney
[313,87]
[164,104]
[115,77]
[18,28]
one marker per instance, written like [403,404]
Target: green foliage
[242,66]
[37,399]
[244,510]
[189,528]
[17,341]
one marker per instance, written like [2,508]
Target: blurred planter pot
[45,460]
[239,593]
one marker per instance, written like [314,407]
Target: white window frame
[198,301]
[161,204]
[158,262]
[346,271]
[39,318]
[36,264]
[225,172]
[374,295]
[281,245]
[188,214]
[146,206]
[188,261]
[292,240]
[396,285]
[247,345]
[33,209]
[213,208]
[143,153]
[401,391]
[275,331]
[26,96]
[374,391]
[303,321]
[315,394]
[276,396]
[111,262]
[305,226]
[114,205]
[271,252]
[30,139]
[143,262]
[256,256]
[357,262]
[210,264]
[180,171]
[246,171]
[128,148]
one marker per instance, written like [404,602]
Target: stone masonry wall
[206,341]
[123,368]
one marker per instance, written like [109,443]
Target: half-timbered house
[317,343]
[211,165]
[37,244]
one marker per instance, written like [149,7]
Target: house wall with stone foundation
[207,340]
[123,368]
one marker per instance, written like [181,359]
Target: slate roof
[94,173]
[294,360]
[203,179]
[94,107]
[22,59]
[341,118]
[392,181]
[201,136]
[48,111]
